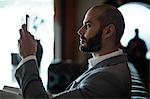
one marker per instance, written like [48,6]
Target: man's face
[90,33]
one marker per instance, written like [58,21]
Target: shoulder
[101,83]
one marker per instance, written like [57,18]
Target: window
[136,15]
[13,13]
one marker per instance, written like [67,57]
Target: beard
[91,45]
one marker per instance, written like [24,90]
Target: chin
[83,49]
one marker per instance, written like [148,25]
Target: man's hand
[27,44]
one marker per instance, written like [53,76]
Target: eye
[88,25]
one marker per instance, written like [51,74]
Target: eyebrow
[87,22]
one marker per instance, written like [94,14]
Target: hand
[27,44]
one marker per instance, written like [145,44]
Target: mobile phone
[27,21]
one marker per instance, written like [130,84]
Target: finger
[24,33]
[19,47]
[18,43]
[31,35]
[21,32]
[25,30]
[24,27]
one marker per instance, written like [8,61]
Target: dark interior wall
[66,21]
[69,29]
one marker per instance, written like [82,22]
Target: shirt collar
[93,61]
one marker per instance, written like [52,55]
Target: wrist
[26,59]
[25,56]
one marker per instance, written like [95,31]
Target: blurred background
[54,24]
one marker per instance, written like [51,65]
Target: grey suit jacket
[108,79]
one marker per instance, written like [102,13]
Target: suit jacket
[108,79]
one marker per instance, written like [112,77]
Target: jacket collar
[111,61]
[93,61]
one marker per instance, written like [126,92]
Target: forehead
[92,15]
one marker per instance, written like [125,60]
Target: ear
[108,31]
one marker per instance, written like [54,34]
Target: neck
[104,52]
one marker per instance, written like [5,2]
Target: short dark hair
[111,15]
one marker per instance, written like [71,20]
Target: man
[108,75]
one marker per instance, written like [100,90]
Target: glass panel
[13,14]
[136,15]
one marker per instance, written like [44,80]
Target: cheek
[90,33]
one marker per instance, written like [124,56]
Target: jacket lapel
[98,67]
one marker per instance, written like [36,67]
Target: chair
[61,73]
[138,90]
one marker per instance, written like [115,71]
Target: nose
[81,31]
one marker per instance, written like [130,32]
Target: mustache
[83,38]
